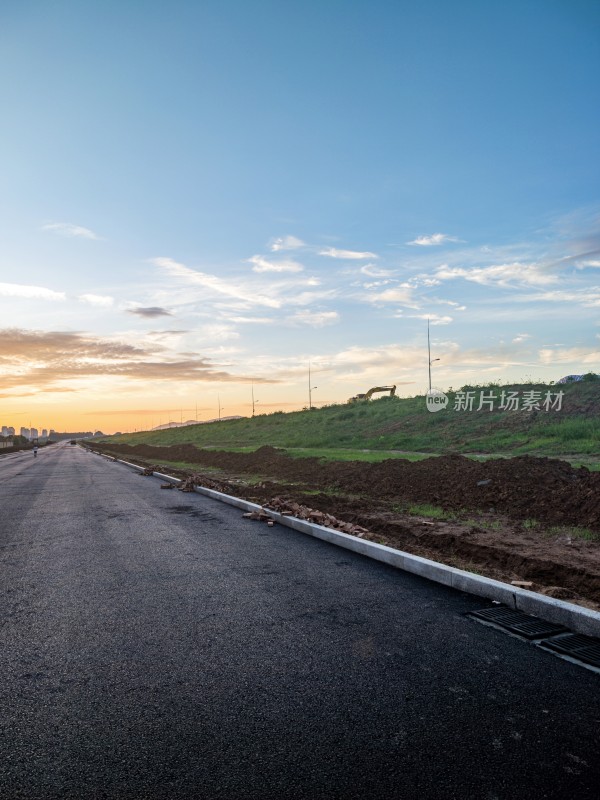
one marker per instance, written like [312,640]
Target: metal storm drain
[517,622]
[576,645]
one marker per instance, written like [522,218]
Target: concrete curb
[574,617]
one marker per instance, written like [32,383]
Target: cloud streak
[261,264]
[434,240]
[352,255]
[69,230]
[214,284]
[501,274]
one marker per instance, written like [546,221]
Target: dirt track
[523,518]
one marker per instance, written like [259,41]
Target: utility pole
[310,388]
[429,354]
[252,398]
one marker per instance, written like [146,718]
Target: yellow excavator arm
[371,392]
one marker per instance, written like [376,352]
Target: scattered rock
[188,485]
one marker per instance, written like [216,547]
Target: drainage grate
[576,645]
[517,622]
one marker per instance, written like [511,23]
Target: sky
[202,200]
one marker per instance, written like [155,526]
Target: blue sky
[201,196]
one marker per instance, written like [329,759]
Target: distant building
[44,433]
[33,434]
[4,430]
[11,430]
[25,432]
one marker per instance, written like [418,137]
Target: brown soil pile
[511,519]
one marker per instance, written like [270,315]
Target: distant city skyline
[200,205]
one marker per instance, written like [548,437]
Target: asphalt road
[154,644]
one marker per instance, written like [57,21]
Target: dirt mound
[526,487]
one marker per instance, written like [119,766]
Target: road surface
[154,645]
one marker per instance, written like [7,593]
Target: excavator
[367,396]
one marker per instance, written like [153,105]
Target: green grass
[574,532]
[402,427]
[430,511]
[371,456]
[486,524]
[529,524]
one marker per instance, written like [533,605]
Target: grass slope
[405,424]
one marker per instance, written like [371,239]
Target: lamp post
[310,389]
[253,400]
[429,354]
[220,409]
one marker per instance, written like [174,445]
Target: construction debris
[261,516]
[150,470]
[166,486]
[188,485]
[289,508]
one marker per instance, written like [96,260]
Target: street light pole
[310,388]
[429,354]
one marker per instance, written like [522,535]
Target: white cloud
[286,243]
[212,283]
[574,355]
[316,319]
[500,274]
[30,292]
[589,297]
[422,280]
[333,252]
[70,230]
[252,320]
[521,337]
[99,300]
[434,319]
[399,294]
[375,272]
[456,306]
[433,240]
[264,265]
[306,298]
